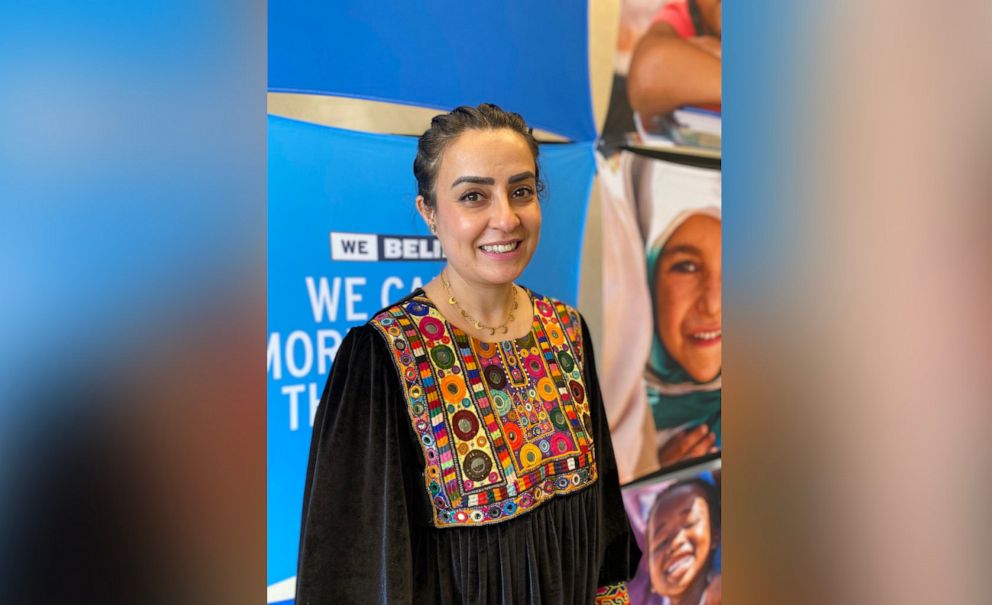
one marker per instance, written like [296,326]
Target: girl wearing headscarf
[680,208]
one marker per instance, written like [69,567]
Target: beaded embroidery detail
[503,426]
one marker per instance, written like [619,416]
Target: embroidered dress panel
[503,426]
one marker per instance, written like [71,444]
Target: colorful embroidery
[614,594]
[503,426]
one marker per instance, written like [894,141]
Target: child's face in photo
[688,284]
[679,540]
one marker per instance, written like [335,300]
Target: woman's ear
[428,214]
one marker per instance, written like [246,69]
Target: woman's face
[488,215]
[679,540]
[688,283]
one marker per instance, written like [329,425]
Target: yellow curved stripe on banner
[604,24]
[364,115]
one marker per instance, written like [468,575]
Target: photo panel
[676,521]
[667,80]
[662,354]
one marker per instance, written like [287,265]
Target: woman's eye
[471,196]
[685,266]
[522,192]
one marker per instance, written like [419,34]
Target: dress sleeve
[619,554]
[355,539]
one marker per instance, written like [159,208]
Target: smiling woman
[460,452]
[483,204]
[486,213]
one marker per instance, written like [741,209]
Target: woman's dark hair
[446,127]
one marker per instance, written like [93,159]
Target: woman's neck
[490,304]
[503,310]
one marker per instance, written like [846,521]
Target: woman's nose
[503,215]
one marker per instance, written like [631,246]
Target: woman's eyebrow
[478,180]
[681,248]
[523,176]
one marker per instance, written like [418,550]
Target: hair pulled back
[447,127]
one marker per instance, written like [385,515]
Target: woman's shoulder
[387,316]
[375,331]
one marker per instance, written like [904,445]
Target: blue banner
[528,57]
[345,240]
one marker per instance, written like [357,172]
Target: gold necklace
[478,324]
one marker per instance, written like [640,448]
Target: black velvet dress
[444,469]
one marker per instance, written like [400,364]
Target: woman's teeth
[500,248]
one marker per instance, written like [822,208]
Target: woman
[460,452]
[683,373]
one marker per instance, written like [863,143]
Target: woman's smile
[501,250]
